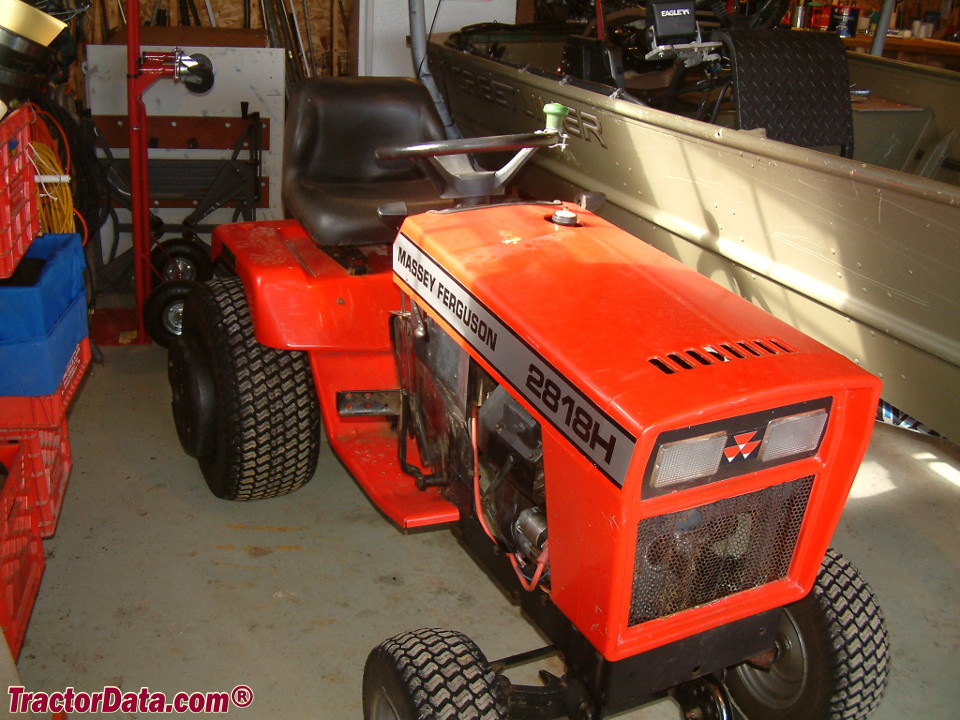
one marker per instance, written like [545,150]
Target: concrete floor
[152,582]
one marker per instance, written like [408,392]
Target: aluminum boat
[861,253]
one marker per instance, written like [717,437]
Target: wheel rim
[382,708]
[173,317]
[783,684]
[180,268]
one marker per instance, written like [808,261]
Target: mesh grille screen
[690,558]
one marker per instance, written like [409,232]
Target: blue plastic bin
[41,324]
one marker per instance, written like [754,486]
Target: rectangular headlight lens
[793,435]
[689,459]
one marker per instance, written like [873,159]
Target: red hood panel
[598,305]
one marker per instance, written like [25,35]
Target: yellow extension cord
[54,198]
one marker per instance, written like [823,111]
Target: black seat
[793,84]
[332,182]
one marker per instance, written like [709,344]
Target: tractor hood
[604,336]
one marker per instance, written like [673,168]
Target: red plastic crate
[47,463]
[47,411]
[21,549]
[40,425]
[19,211]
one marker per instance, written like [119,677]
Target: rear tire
[430,674]
[832,654]
[247,412]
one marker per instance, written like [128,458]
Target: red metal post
[139,186]
[142,72]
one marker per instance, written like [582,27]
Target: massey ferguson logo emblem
[675,12]
[740,447]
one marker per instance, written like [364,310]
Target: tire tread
[859,640]
[446,675]
[266,397]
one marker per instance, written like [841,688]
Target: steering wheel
[463,146]
[454,174]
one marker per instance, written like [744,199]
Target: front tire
[430,674]
[832,654]
[248,412]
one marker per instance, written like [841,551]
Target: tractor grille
[690,558]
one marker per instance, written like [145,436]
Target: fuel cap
[563,216]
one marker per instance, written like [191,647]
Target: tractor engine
[443,386]
[512,464]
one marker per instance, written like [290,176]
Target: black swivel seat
[793,84]
[332,181]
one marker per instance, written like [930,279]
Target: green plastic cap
[555,113]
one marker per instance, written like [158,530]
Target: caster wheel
[184,258]
[163,310]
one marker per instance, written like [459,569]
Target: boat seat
[933,157]
[588,58]
[795,85]
[332,183]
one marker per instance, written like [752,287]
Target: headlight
[688,459]
[699,454]
[793,435]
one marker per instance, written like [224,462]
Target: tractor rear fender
[302,299]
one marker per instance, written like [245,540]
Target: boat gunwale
[742,140]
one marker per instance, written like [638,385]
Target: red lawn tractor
[651,465]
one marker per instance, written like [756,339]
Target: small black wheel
[832,654]
[197,73]
[430,674]
[183,258]
[163,310]
[247,412]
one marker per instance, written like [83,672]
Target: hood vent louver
[707,355]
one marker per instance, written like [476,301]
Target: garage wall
[384,27]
